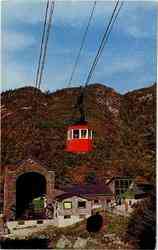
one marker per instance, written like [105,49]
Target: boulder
[80,243]
[63,242]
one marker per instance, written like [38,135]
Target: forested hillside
[35,124]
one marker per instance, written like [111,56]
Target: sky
[128,61]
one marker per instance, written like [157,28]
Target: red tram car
[79,138]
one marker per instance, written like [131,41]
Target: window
[122,182]
[39,221]
[76,134]
[121,185]
[90,134]
[69,134]
[83,133]
[21,222]
[117,191]
[81,204]
[67,205]
[67,216]
[108,201]
[82,216]
[96,201]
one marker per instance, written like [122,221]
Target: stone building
[70,209]
[78,202]
[22,182]
[119,185]
[29,180]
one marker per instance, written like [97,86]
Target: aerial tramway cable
[44,42]
[104,39]
[81,97]
[82,43]
[77,142]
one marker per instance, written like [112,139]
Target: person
[3,225]
[126,206]
[130,203]
[50,211]
[45,201]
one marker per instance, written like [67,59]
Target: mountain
[35,124]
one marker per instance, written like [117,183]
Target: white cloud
[136,32]
[135,19]
[119,65]
[22,11]
[65,12]
[15,75]
[76,13]
[126,64]
[12,41]
[70,14]
[131,20]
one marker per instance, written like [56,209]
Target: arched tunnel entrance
[28,186]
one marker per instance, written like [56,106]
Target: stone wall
[12,173]
[1,188]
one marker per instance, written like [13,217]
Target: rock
[80,243]
[42,237]
[109,244]
[63,242]
[93,241]
[12,237]
[109,235]
[22,237]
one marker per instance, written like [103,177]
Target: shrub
[51,124]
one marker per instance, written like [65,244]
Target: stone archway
[13,173]
[28,186]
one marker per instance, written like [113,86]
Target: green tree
[142,224]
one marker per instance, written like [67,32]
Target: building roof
[98,189]
[85,191]
[69,195]
[118,177]
[58,192]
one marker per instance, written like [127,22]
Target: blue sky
[128,61]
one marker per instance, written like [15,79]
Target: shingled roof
[88,189]
[69,195]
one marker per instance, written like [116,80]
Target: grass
[117,224]
[113,225]
[51,124]
[52,232]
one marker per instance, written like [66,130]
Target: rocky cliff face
[36,123]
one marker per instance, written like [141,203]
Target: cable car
[79,138]
[80,134]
